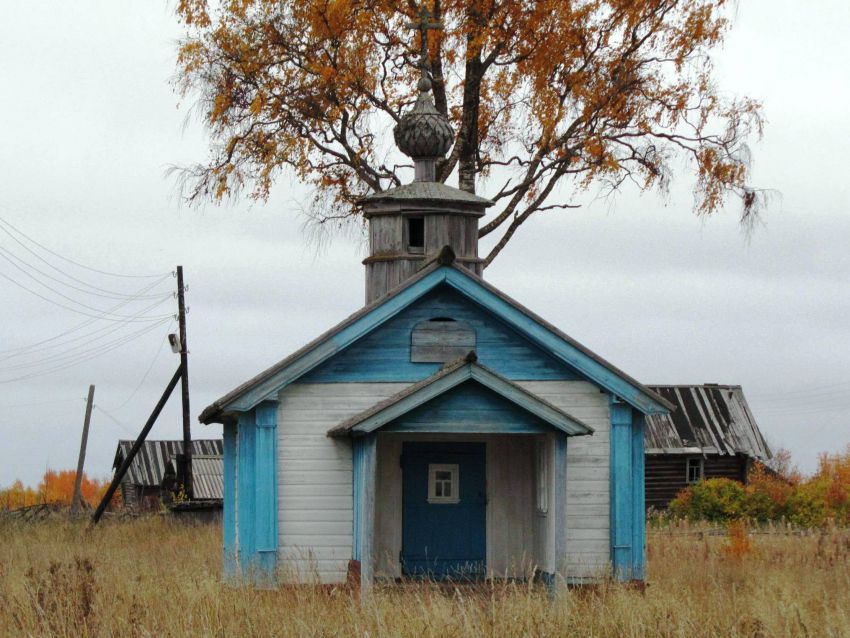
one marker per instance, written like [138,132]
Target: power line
[71,261]
[79,326]
[70,353]
[50,288]
[148,371]
[57,269]
[91,355]
[116,421]
[97,333]
[102,315]
[96,291]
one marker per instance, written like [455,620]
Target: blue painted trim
[638,498]
[266,492]
[539,334]
[628,533]
[528,402]
[553,343]
[246,493]
[560,501]
[345,337]
[364,458]
[229,514]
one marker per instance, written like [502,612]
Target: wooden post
[121,471]
[184,388]
[77,500]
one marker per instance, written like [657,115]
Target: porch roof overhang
[450,376]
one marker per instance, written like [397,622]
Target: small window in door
[694,470]
[443,483]
[416,234]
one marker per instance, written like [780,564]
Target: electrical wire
[61,294]
[82,359]
[97,334]
[96,291]
[116,421]
[79,326]
[71,261]
[102,315]
[148,371]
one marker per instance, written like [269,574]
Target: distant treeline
[56,487]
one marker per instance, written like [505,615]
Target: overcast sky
[90,124]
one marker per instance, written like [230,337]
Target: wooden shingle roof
[708,419]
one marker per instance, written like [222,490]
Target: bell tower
[410,224]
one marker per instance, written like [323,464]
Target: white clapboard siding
[315,506]
[588,476]
[315,485]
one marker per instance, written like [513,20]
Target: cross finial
[424,24]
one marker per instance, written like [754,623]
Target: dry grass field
[150,577]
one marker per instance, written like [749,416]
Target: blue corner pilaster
[622,490]
[265,522]
[229,513]
[364,456]
[638,497]
[256,494]
[245,493]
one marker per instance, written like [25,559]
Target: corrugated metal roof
[208,477]
[708,419]
[148,467]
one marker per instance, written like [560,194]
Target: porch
[460,507]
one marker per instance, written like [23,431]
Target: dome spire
[423,133]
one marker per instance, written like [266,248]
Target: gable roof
[709,419]
[451,376]
[148,467]
[440,271]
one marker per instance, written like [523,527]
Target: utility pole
[184,387]
[77,500]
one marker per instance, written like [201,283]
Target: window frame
[689,463]
[454,482]
[418,250]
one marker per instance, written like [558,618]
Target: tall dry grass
[153,578]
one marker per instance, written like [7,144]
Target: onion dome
[424,133]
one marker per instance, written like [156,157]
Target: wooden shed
[142,485]
[711,434]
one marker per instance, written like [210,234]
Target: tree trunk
[468,141]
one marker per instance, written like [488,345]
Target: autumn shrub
[715,500]
[770,495]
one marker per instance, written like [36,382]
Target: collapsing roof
[148,468]
[708,419]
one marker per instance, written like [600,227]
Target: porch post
[365,471]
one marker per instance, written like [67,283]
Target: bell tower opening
[416,234]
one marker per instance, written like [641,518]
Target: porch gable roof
[442,271]
[452,375]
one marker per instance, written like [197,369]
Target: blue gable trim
[549,339]
[486,402]
[469,408]
[383,355]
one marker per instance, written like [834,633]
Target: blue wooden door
[444,510]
